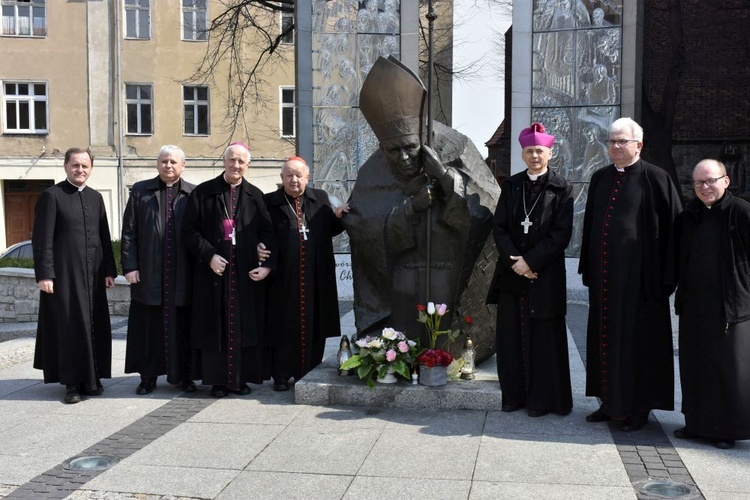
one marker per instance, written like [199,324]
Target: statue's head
[393,100]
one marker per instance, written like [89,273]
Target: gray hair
[627,125]
[224,154]
[172,149]
[295,158]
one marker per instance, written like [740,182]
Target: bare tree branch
[243,47]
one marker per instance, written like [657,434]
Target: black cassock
[228,319]
[714,354]
[159,318]
[627,261]
[532,340]
[303,300]
[72,247]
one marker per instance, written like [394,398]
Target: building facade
[119,76]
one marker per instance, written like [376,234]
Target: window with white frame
[288,113]
[25,105]
[194,20]
[24,17]
[287,22]
[139,105]
[138,19]
[195,104]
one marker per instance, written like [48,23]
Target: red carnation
[435,357]
[421,307]
[468,319]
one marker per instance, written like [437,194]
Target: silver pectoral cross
[526,223]
[303,231]
[233,236]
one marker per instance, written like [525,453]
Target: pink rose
[403,346]
[390,355]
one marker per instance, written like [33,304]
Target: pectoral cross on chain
[233,236]
[303,231]
[526,223]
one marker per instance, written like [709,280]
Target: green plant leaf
[352,362]
[401,368]
[363,371]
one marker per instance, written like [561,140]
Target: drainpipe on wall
[118,93]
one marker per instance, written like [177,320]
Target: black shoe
[511,407]
[634,422]
[72,396]
[538,413]
[280,384]
[597,416]
[724,444]
[187,386]
[563,413]
[84,389]
[146,386]
[683,433]
[219,391]
[244,390]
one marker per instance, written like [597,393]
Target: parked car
[20,250]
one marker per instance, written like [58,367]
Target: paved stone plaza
[174,445]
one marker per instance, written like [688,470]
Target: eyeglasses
[708,182]
[620,142]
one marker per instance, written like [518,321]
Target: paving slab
[358,417]
[377,488]
[482,490]
[130,477]
[421,456]
[547,459]
[286,486]
[208,445]
[242,411]
[318,450]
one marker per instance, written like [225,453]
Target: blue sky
[478,102]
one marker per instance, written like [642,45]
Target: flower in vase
[389,350]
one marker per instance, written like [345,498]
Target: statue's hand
[431,163]
[423,199]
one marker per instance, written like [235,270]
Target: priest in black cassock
[532,227]
[628,264]
[225,220]
[73,264]
[303,308]
[713,302]
[158,268]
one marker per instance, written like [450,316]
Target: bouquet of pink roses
[376,354]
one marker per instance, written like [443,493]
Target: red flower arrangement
[435,357]
[431,315]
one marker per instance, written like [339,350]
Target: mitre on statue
[393,100]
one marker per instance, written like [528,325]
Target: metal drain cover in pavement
[94,462]
[666,489]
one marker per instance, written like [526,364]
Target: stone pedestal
[324,386]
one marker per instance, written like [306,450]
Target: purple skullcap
[535,136]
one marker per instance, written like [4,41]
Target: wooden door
[20,201]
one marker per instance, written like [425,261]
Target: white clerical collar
[80,188]
[622,169]
[233,185]
[533,177]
